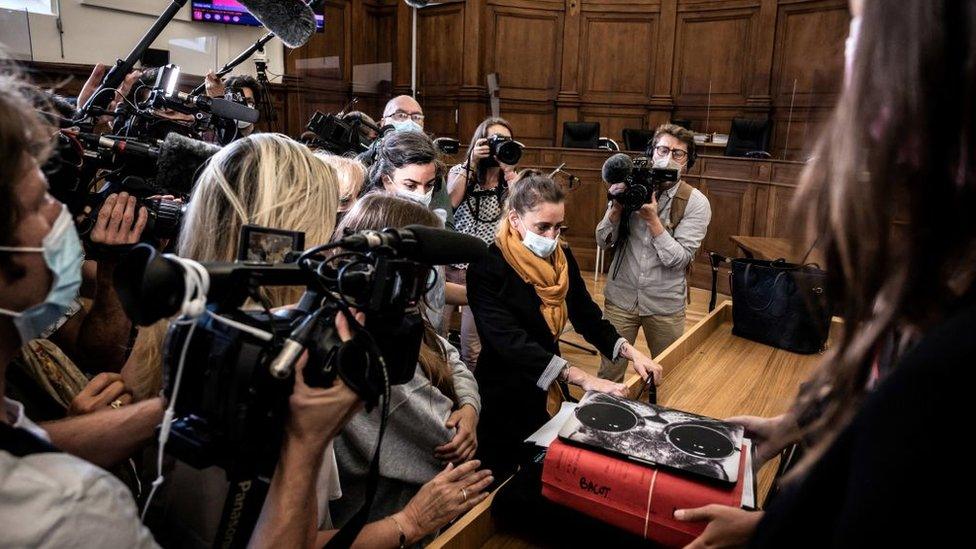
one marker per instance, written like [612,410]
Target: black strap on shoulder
[20,442]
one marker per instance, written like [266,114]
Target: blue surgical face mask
[63,256]
[407,125]
[538,244]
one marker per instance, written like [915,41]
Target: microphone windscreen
[291,20]
[617,168]
[179,159]
[233,110]
[445,247]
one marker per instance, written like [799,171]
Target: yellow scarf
[549,277]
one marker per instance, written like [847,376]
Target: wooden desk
[707,371]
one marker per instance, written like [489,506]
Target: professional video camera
[86,167]
[237,374]
[228,372]
[340,133]
[642,179]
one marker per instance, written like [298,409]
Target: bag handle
[749,302]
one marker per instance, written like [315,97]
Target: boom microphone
[420,243]
[179,159]
[291,20]
[617,168]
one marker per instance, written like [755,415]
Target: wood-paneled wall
[622,63]
[635,64]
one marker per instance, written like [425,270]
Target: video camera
[235,366]
[87,167]
[340,134]
[642,179]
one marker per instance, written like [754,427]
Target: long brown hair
[890,194]
[378,210]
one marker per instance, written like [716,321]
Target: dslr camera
[504,149]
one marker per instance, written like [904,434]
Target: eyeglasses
[677,154]
[401,116]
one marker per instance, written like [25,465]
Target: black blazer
[517,346]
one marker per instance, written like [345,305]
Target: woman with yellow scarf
[522,295]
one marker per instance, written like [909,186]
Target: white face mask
[850,47]
[668,163]
[419,197]
[538,244]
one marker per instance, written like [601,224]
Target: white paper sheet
[547,433]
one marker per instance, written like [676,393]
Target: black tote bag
[780,304]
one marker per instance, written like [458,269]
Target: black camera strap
[623,233]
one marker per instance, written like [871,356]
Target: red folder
[636,497]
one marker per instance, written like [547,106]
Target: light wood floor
[697,309]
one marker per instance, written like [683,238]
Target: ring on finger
[464,495]
[117,403]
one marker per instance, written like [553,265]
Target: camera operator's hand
[462,447]
[616,209]
[648,213]
[479,152]
[117,221]
[96,77]
[102,391]
[318,414]
[452,492]
[213,85]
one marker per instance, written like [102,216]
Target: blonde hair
[264,179]
[351,173]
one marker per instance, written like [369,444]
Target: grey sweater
[418,412]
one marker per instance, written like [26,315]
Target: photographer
[408,165]
[477,188]
[433,417]
[647,285]
[48,498]
[522,294]
[242,86]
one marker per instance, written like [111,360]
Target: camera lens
[509,152]
[164,217]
